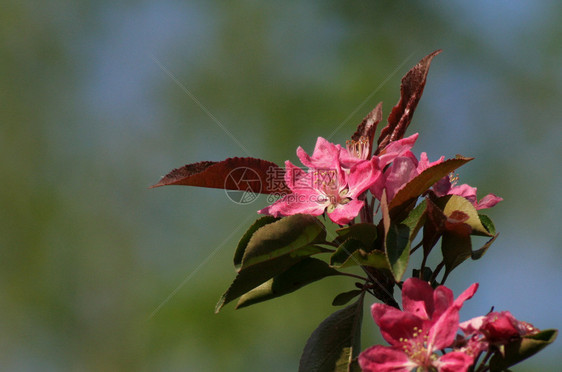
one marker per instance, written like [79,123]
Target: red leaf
[368,126]
[411,90]
[240,174]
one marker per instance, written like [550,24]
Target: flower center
[417,351]
[359,148]
[453,178]
[326,182]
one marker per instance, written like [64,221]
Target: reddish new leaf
[240,174]
[410,93]
[434,226]
[368,127]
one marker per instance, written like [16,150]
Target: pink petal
[294,204]
[323,156]
[348,160]
[472,326]
[442,187]
[466,191]
[296,178]
[378,187]
[402,170]
[378,310]
[424,162]
[443,299]
[396,149]
[385,359]
[362,176]
[395,324]
[475,345]
[502,327]
[455,361]
[444,329]
[346,212]
[488,201]
[466,295]
[417,297]
[443,332]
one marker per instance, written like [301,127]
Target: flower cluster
[338,179]
[429,323]
[419,204]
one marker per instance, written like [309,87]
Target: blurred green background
[99,273]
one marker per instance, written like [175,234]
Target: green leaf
[252,276]
[456,247]
[272,249]
[397,246]
[477,254]
[488,223]
[288,236]
[351,253]
[421,183]
[462,221]
[304,272]
[345,297]
[333,346]
[344,252]
[522,349]
[396,242]
[241,248]
[416,219]
[366,233]
[451,203]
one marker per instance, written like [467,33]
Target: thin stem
[416,247]
[354,276]
[332,244]
[437,270]
[370,277]
[373,211]
[476,358]
[424,260]
[444,277]
[364,213]
[482,367]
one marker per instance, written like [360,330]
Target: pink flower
[497,328]
[402,170]
[448,186]
[428,323]
[400,166]
[325,152]
[327,186]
